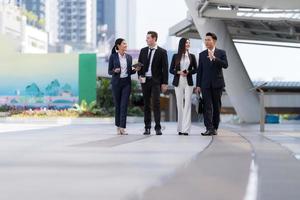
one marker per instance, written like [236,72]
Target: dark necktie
[149,58]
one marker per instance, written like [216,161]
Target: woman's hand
[137,69]
[182,73]
[117,70]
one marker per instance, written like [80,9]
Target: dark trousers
[151,91]
[121,94]
[212,106]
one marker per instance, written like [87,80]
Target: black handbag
[200,106]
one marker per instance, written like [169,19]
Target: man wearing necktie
[154,79]
[210,82]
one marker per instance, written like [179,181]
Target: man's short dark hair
[153,34]
[213,35]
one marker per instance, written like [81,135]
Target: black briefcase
[201,104]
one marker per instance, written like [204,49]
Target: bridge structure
[245,22]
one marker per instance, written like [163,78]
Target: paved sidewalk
[89,162]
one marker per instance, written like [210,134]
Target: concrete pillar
[237,80]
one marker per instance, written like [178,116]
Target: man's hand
[142,79]
[164,88]
[198,90]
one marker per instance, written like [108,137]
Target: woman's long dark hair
[181,50]
[117,42]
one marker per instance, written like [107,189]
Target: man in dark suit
[210,82]
[154,79]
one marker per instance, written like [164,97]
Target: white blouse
[123,63]
[185,62]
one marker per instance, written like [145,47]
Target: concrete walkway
[89,161]
[220,172]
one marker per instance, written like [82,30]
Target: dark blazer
[159,65]
[192,69]
[210,73]
[114,62]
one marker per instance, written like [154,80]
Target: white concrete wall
[36,41]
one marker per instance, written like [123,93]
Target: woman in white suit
[183,66]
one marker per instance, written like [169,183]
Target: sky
[158,15]
[262,62]
[271,63]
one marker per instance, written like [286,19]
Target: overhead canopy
[265,20]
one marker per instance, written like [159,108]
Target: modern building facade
[51,22]
[106,17]
[26,38]
[77,23]
[38,7]
[83,25]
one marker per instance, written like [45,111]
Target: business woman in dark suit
[120,67]
[210,82]
[154,79]
[183,66]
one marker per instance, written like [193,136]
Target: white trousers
[183,98]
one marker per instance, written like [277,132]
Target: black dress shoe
[208,133]
[158,132]
[180,133]
[186,134]
[147,131]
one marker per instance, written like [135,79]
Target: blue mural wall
[38,80]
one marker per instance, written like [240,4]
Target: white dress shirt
[123,63]
[149,72]
[213,51]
